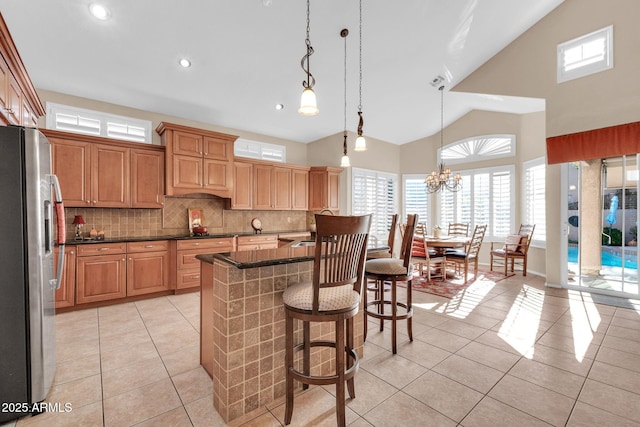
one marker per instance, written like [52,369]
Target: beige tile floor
[510,353]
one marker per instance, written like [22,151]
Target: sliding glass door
[602,216]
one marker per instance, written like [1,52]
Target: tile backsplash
[173,219]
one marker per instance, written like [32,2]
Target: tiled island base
[243,333]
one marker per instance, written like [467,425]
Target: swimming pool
[609,259]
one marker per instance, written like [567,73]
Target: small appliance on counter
[199,231]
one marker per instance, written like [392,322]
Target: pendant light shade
[308,103]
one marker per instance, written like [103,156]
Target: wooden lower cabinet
[257,241]
[65,295]
[148,267]
[188,266]
[101,277]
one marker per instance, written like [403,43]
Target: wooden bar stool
[332,296]
[391,270]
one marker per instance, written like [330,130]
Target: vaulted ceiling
[246,56]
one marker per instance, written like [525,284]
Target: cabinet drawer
[188,278]
[148,246]
[257,239]
[101,249]
[222,244]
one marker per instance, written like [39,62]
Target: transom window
[479,148]
[585,55]
[259,150]
[79,120]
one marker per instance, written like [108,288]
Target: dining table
[443,242]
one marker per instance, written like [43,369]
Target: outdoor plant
[616,236]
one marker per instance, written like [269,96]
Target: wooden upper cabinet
[71,162]
[281,178]
[147,178]
[187,143]
[324,188]
[300,189]
[101,172]
[218,149]
[242,186]
[110,185]
[16,88]
[262,187]
[197,160]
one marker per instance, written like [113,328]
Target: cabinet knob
[94,202]
[72,252]
[130,259]
[123,260]
[88,202]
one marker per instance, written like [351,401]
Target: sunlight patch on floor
[585,320]
[520,327]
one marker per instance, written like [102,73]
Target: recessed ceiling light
[99,11]
[279,106]
[184,62]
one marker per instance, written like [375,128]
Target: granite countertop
[177,237]
[263,257]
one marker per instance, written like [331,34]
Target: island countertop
[262,257]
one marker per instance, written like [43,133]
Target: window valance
[594,144]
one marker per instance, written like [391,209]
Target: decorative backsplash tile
[174,219]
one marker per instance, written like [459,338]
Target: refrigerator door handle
[61,230]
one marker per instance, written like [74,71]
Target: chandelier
[441,179]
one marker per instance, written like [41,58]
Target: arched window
[476,148]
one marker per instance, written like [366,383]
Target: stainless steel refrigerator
[30,202]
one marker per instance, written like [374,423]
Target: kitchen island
[242,327]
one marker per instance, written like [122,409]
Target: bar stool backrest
[340,252]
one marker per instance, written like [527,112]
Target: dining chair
[458,229]
[464,257]
[332,296]
[515,248]
[387,253]
[392,270]
[427,259]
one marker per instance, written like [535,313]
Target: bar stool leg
[394,316]
[289,366]
[306,332]
[380,298]
[366,291]
[409,302]
[340,385]
[350,362]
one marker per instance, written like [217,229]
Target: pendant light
[361,143]
[345,163]
[308,103]
[442,179]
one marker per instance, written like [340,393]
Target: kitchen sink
[303,243]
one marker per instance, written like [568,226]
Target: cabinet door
[188,144]
[29,118]
[242,186]
[218,149]
[187,172]
[71,162]
[281,188]
[299,190]
[218,175]
[4,86]
[147,178]
[147,272]
[65,295]
[262,187]
[333,191]
[110,176]
[100,278]
[14,100]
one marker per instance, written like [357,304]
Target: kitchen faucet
[326,210]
